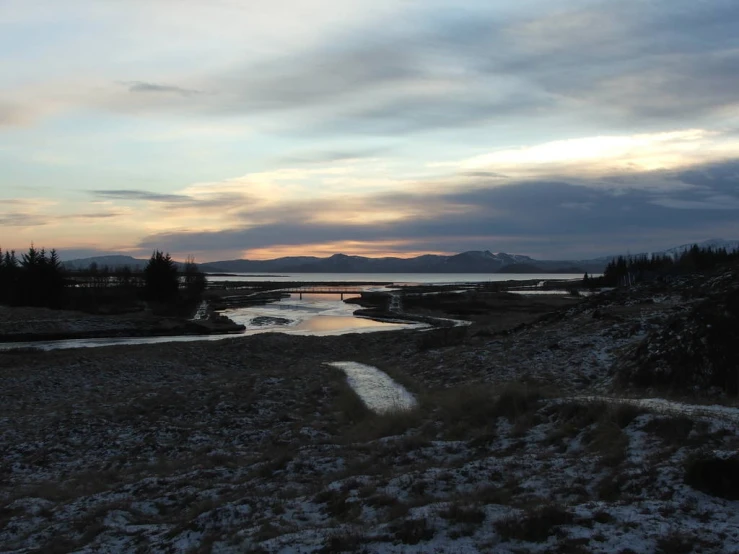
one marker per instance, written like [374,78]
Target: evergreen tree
[160,277]
[40,279]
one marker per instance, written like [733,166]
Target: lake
[396,278]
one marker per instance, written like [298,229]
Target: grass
[463,514]
[337,504]
[441,338]
[344,542]
[412,531]
[471,412]
[600,425]
[680,542]
[535,525]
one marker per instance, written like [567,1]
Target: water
[313,315]
[321,315]
[376,388]
[396,278]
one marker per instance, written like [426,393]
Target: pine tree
[160,277]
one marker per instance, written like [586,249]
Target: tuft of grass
[601,425]
[388,424]
[534,525]
[472,411]
[338,506]
[463,514]
[412,531]
[680,542]
[672,430]
[611,487]
[344,542]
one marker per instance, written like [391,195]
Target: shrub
[413,531]
[463,514]
[535,525]
[472,410]
[714,476]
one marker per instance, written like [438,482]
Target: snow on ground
[376,389]
[253,445]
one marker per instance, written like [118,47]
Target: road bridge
[353,291]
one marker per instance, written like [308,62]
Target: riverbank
[23,324]
[427,304]
[256,445]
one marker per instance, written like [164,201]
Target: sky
[247,129]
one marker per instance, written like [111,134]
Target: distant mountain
[112,261]
[256,266]
[474,261]
[729,245]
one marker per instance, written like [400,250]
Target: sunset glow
[375,128]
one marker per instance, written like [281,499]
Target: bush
[535,525]
[714,476]
[463,514]
[413,531]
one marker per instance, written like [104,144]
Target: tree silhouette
[160,278]
[9,274]
[38,280]
[194,279]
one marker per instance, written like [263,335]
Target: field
[529,436]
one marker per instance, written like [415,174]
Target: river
[312,315]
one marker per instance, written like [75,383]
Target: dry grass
[472,412]
[535,525]
[600,425]
[463,513]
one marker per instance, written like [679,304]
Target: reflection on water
[315,314]
[324,323]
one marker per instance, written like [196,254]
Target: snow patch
[376,388]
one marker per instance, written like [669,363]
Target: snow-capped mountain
[729,245]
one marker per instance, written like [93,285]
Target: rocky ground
[529,436]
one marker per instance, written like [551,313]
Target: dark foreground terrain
[532,435]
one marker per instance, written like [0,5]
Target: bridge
[355,291]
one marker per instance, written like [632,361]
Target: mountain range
[466,262]
[475,261]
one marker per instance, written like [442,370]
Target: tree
[194,278]
[40,279]
[160,278]
[8,276]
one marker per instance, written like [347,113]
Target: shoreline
[374,306]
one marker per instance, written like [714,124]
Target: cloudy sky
[243,128]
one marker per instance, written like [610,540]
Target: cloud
[574,219]
[91,216]
[19,219]
[624,61]
[143,87]
[140,195]
[323,156]
[426,68]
